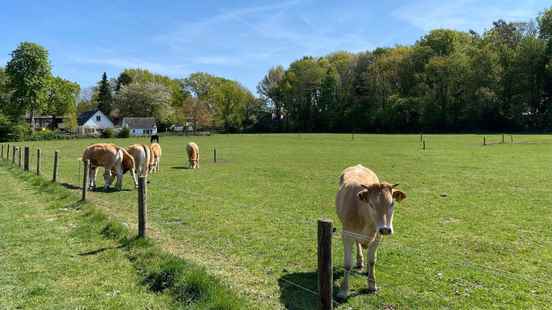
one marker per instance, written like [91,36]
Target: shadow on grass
[100,250]
[299,290]
[70,186]
[181,167]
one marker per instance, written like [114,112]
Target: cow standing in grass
[115,160]
[193,155]
[155,149]
[365,207]
[142,158]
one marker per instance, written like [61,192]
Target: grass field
[474,231]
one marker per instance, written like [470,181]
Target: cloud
[465,14]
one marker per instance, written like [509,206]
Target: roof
[138,122]
[85,116]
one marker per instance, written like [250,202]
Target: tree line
[448,81]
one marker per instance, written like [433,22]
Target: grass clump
[115,230]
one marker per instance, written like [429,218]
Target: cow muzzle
[385,231]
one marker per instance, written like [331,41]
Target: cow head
[380,199]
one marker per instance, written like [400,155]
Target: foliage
[144,100]
[28,71]
[61,98]
[104,97]
[124,133]
[447,81]
[108,133]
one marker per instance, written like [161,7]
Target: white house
[140,126]
[93,122]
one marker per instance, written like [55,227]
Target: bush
[124,133]
[108,133]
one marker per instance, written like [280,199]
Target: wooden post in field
[142,206]
[13,154]
[353,135]
[37,161]
[19,154]
[85,180]
[484,141]
[26,158]
[2,152]
[421,137]
[511,139]
[8,152]
[215,155]
[54,177]
[325,269]
[502,138]
[423,145]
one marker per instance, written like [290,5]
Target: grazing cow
[155,157]
[115,160]
[193,155]
[365,207]
[154,138]
[142,158]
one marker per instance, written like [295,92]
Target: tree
[149,99]
[105,96]
[28,71]
[270,91]
[61,99]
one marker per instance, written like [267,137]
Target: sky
[239,40]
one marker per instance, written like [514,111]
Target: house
[140,126]
[47,121]
[93,122]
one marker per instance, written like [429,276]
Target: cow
[154,138]
[155,157]
[142,158]
[365,207]
[193,155]
[115,160]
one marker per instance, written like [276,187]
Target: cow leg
[348,264]
[91,177]
[360,257]
[372,253]
[107,179]
[157,168]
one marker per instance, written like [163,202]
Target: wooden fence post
[54,177]
[325,269]
[19,154]
[215,155]
[13,154]
[421,137]
[37,161]
[142,206]
[511,139]
[2,152]
[502,138]
[85,179]
[423,145]
[8,152]
[484,141]
[26,158]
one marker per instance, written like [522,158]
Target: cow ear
[363,195]
[398,195]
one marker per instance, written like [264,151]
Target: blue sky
[239,40]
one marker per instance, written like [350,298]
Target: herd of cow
[364,205]
[138,159]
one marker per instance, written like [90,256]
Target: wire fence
[74,176]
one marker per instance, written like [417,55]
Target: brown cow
[142,157]
[193,155]
[155,157]
[115,160]
[365,207]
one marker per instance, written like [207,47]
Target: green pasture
[474,232]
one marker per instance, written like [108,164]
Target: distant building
[93,122]
[140,126]
[47,121]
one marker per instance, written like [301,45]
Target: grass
[57,252]
[474,231]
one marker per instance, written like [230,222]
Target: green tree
[28,71]
[61,99]
[104,97]
[270,90]
[149,99]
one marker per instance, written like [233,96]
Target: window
[98,118]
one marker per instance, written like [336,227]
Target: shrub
[108,133]
[20,132]
[124,133]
